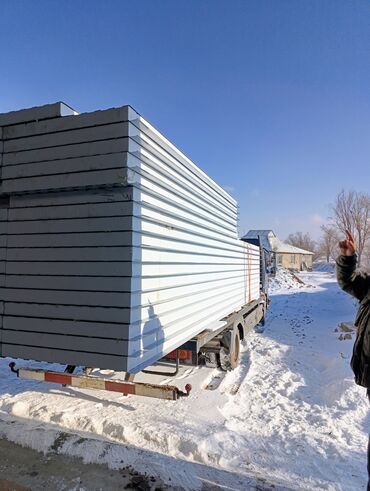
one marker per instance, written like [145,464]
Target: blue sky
[270,97]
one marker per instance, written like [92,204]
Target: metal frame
[168,392]
[166,374]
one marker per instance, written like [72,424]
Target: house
[279,253]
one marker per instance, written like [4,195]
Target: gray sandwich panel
[79,254]
[82,210]
[73,165]
[1,151]
[68,328]
[61,297]
[1,326]
[71,239]
[96,118]
[110,177]
[68,225]
[69,312]
[70,137]
[66,357]
[75,283]
[4,206]
[67,268]
[75,342]
[37,113]
[66,152]
[61,198]
[77,297]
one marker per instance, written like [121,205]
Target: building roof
[272,243]
[284,248]
[253,234]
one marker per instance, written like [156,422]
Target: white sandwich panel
[190,202]
[160,168]
[184,210]
[157,140]
[224,206]
[225,275]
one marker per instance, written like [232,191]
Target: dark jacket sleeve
[356,283]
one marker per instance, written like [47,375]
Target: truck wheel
[230,351]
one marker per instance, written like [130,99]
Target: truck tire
[230,351]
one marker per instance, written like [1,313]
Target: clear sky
[269,97]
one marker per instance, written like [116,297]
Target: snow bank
[284,280]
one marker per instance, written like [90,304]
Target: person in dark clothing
[357,284]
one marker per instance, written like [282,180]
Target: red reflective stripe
[245,270]
[120,387]
[249,264]
[249,273]
[58,378]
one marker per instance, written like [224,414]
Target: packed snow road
[290,416]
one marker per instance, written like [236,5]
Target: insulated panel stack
[193,269]
[116,248]
[3,222]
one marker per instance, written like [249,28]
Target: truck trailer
[116,249]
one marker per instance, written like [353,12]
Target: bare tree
[366,257]
[328,243]
[351,211]
[301,240]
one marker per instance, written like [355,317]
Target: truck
[117,251]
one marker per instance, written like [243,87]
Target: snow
[284,279]
[324,266]
[290,415]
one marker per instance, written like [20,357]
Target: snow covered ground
[289,416]
[324,266]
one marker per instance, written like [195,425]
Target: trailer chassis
[219,348]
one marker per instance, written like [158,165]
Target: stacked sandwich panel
[3,230]
[116,248]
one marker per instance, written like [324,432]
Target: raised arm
[351,281]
